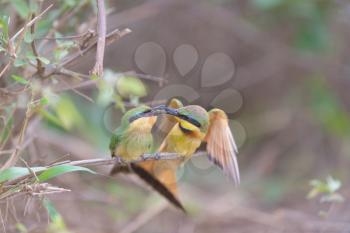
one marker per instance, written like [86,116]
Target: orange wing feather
[167,121]
[221,145]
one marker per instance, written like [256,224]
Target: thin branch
[79,93]
[15,155]
[12,49]
[111,37]
[31,22]
[39,65]
[101,41]
[67,72]
[161,81]
[63,18]
[104,162]
[2,222]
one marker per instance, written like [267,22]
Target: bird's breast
[181,142]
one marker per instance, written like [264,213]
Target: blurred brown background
[287,99]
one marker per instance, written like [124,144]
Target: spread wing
[221,145]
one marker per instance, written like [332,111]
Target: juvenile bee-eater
[132,139]
[193,126]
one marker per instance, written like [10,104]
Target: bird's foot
[119,160]
[143,157]
[157,156]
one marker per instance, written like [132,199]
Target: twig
[88,83]
[15,155]
[5,68]
[111,37]
[103,162]
[72,73]
[79,93]
[101,41]
[160,80]
[30,23]
[39,65]
[12,49]
[2,221]
[62,21]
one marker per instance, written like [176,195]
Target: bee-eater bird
[132,139]
[193,126]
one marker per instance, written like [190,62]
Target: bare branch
[104,162]
[30,23]
[111,37]
[15,155]
[101,41]
[39,65]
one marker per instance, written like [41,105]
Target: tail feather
[160,187]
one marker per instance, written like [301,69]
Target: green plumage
[130,140]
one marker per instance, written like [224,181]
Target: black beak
[162,109]
[175,112]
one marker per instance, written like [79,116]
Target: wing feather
[221,146]
[167,121]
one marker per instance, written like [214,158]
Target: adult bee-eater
[193,126]
[132,139]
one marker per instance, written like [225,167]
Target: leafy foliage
[60,170]
[57,224]
[327,189]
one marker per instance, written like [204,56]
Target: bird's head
[140,116]
[192,119]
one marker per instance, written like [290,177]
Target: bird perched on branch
[193,125]
[132,139]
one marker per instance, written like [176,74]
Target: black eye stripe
[138,115]
[190,119]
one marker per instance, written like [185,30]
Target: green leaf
[267,4]
[19,62]
[5,133]
[15,172]
[333,184]
[119,102]
[129,86]
[57,223]
[50,117]
[68,113]
[44,101]
[44,60]
[105,92]
[28,37]
[53,213]
[4,26]
[21,7]
[326,107]
[59,53]
[94,77]
[34,6]
[21,228]
[19,79]
[60,170]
